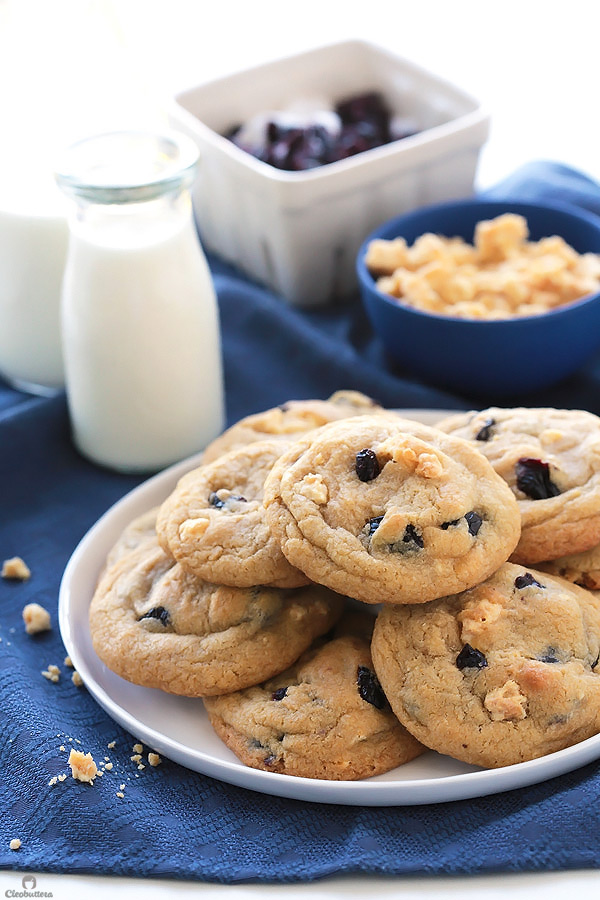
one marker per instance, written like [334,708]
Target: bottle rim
[127,166]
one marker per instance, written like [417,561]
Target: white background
[73,67]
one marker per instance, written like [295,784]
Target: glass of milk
[140,326]
[33,247]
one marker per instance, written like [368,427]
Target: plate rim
[365,792]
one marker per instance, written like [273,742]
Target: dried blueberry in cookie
[526,580]
[366,465]
[369,687]
[430,517]
[550,458]
[158,613]
[498,674]
[470,658]
[485,432]
[533,479]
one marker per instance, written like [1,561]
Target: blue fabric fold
[174,822]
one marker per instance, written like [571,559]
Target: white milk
[33,246]
[142,344]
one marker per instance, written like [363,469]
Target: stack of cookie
[237,590]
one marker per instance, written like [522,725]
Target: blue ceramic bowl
[488,358]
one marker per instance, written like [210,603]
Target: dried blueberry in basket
[365,122]
[533,478]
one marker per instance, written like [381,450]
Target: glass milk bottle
[141,339]
[33,247]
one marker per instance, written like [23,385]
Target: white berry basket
[299,232]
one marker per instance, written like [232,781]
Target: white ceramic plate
[178,728]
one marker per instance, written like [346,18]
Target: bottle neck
[132,224]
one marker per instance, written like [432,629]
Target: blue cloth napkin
[174,822]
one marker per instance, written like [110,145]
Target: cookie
[291,420]
[499,674]
[325,717]
[550,458]
[159,626]
[215,524]
[388,510]
[580,568]
[140,530]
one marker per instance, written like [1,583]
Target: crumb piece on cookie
[16,568]
[83,766]
[36,618]
[15,844]
[506,702]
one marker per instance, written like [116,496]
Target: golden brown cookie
[550,458]
[159,626]
[290,420]
[325,717]
[580,568]
[502,673]
[214,522]
[388,510]
[140,530]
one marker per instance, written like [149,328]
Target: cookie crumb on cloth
[16,568]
